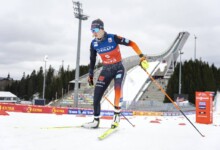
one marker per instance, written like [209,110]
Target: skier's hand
[90,80]
[143,63]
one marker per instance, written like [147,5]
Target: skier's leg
[100,87]
[119,78]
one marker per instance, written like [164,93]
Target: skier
[107,46]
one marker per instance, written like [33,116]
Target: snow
[29,131]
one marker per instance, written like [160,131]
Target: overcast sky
[31,29]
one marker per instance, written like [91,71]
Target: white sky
[31,29]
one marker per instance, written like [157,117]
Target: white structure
[8,97]
[217,103]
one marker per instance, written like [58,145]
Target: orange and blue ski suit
[109,51]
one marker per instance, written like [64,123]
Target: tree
[39,81]
[196,76]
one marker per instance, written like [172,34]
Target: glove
[143,63]
[90,80]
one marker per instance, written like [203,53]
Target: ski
[60,127]
[67,127]
[57,127]
[107,133]
[48,127]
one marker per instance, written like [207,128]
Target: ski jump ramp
[136,78]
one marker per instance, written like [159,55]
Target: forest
[196,76]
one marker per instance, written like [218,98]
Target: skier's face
[97,33]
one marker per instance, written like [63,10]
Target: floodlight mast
[45,71]
[195,48]
[78,12]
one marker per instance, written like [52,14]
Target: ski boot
[116,120]
[94,124]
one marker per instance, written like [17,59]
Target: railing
[157,106]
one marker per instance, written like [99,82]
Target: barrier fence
[9,107]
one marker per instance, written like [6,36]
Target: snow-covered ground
[29,131]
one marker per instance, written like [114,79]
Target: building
[4,82]
[8,97]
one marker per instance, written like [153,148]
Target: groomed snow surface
[29,131]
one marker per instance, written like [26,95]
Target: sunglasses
[95,30]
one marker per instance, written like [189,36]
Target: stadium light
[45,60]
[78,12]
[180,73]
[195,48]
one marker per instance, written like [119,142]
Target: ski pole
[177,107]
[121,113]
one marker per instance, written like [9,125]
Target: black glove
[90,80]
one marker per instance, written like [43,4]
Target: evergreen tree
[49,80]
[29,88]
[22,88]
[196,76]
[39,81]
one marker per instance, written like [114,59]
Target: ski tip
[99,138]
